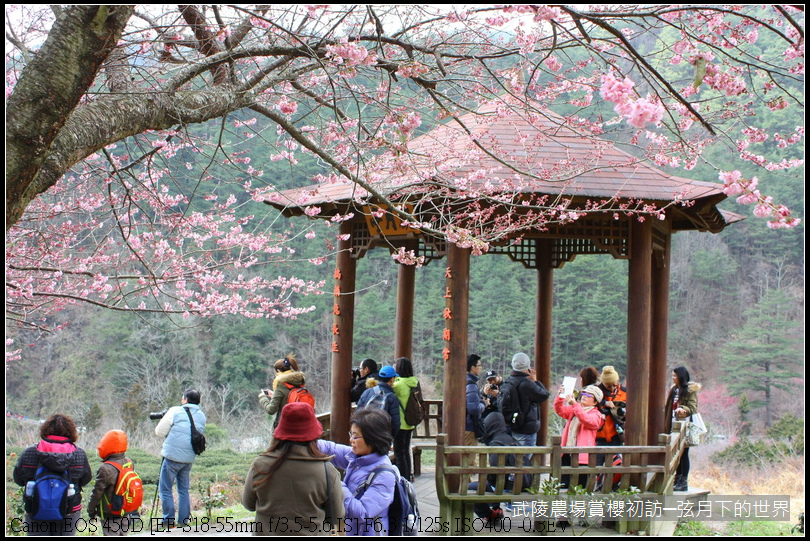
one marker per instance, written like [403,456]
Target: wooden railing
[651,468]
[427,429]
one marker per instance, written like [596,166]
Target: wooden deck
[432,524]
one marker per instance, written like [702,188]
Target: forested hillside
[736,302]
[737,305]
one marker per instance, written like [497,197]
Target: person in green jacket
[402,441]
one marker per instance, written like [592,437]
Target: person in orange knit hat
[111,448]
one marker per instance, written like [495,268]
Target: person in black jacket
[368,370]
[56,451]
[531,393]
[496,435]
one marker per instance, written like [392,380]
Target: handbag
[197,438]
[695,429]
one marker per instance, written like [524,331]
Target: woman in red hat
[291,485]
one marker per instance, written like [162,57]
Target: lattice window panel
[361,239]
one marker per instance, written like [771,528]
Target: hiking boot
[681,483]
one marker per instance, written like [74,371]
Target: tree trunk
[49,88]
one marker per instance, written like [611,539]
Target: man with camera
[614,407]
[367,369]
[491,391]
[178,455]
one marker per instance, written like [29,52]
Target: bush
[785,439]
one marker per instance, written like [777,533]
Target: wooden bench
[651,468]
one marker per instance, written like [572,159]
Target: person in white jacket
[178,456]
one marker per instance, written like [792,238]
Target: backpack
[47,497]
[509,404]
[128,494]
[414,411]
[197,437]
[377,400]
[403,513]
[300,394]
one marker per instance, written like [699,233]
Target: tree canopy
[139,138]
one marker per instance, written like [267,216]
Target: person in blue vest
[380,395]
[178,456]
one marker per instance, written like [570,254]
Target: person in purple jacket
[370,437]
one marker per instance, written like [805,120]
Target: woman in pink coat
[584,420]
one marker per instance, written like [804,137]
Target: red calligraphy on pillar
[337,291]
[447,294]
[335,348]
[448,273]
[446,354]
[336,310]
[448,314]
[335,329]
[446,335]
[337,274]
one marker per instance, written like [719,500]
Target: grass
[785,478]
[218,472]
[221,472]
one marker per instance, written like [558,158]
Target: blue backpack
[47,497]
[403,513]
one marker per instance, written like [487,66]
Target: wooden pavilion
[596,171]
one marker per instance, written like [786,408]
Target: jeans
[169,471]
[526,440]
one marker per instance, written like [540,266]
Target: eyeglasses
[353,437]
[583,395]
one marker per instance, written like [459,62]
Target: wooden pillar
[403,343]
[342,337]
[456,317]
[659,376]
[543,327]
[638,332]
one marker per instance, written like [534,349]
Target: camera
[157,415]
[620,411]
[356,372]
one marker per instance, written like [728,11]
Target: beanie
[298,423]
[609,375]
[520,362]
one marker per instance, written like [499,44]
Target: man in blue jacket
[382,396]
[178,455]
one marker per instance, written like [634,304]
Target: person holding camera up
[178,455]
[287,378]
[491,391]
[360,375]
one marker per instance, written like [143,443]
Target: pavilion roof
[545,154]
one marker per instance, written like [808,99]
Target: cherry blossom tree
[138,136]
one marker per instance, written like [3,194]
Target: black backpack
[509,404]
[403,513]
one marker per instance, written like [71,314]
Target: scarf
[573,429]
